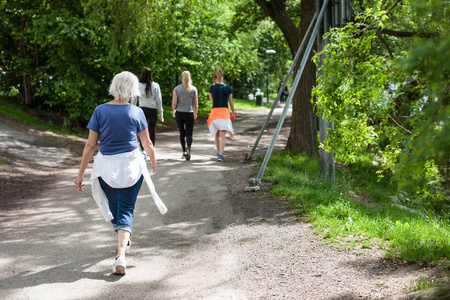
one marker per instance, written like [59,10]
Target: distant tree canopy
[385,85]
[62,55]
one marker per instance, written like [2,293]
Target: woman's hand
[195,115]
[233,117]
[148,146]
[153,164]
[79,183]
[161,118]
[88,152]
[174,102]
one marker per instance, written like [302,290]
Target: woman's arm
[88,152]
[195,105]
[148,146]
[210,97]
[159,105]
[174,103]
[230,100]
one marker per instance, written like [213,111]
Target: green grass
[423,283]
[12,110]
[244,104]
[341,211]
[19,114]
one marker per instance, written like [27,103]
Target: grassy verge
[244,104]
[11,109]
[345,217]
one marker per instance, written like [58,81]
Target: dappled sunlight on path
[215,242]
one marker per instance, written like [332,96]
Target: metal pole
[345,12]
[267,59]
[294,87]
[288,75]
[325,159]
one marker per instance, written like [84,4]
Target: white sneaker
[119,266]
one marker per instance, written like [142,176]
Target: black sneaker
[188,154]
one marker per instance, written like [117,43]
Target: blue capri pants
[121,203]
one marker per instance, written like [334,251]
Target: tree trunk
[303,135]
[27,91]
[27,88]
[304,126]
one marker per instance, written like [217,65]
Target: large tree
[304,126]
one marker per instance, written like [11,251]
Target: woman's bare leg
[216,141]
[222,141]
[122,240]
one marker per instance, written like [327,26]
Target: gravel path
[216,241]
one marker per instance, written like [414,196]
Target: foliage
[69,51]
[387,93]
[340,210]
[260,33]
[58,50]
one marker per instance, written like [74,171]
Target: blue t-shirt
[118,126]
[220,93]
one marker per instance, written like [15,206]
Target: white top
[153,100]
[120,171]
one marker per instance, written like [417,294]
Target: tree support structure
[254,182]
[335,15]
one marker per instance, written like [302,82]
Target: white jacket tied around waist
[120,171]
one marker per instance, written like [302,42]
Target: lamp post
[268,52]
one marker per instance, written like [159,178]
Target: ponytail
[147,79]
[186,80]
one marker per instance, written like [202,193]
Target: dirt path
[216,241]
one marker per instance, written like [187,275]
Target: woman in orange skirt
[219,121]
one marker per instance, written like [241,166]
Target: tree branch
[398,33]
[383,41]
[408,33]
[399,124]
[276,10]
[392,7]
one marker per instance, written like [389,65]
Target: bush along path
[216,241]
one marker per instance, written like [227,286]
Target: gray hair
[124,86]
